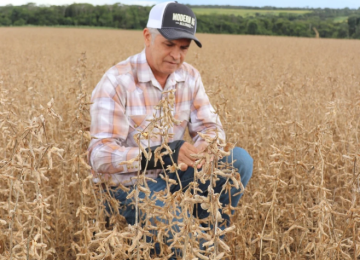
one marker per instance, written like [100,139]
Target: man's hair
[154,32]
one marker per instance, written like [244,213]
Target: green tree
[281,27]
[5,21]
[354,26]
[19,22]
[253,27]
[342,31]
[106,19]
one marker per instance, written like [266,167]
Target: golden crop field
[292,103]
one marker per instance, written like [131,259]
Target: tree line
[135,17]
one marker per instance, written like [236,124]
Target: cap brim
[173,34]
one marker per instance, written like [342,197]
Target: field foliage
[330,23]
[245,12]
[292,103]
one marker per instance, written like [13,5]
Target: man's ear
[147,37]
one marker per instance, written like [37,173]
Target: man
[125,100]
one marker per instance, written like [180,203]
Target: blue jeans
[244,164]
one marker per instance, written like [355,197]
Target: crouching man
[126,98]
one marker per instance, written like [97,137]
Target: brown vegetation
[292,103]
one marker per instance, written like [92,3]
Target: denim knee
[244,164]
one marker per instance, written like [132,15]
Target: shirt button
[135,125]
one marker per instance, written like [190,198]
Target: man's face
[165,56]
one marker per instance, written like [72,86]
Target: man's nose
[175,54]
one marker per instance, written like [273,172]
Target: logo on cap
[184,20]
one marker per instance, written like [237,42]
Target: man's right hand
[185,159]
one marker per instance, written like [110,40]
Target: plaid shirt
[124,100]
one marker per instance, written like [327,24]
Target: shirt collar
[145,74]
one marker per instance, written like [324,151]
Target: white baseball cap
[174,21]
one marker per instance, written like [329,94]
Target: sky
[276,3]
